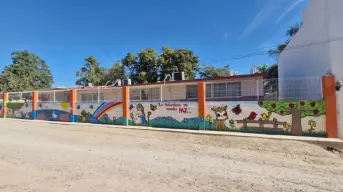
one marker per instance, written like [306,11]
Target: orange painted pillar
[329,94]
[202,105]
[126,101]
[4,106]
[34,104]
[73,100]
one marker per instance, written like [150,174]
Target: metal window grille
[191,91]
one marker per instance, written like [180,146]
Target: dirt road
[45,157]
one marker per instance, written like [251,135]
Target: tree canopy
[264,68]
[117,71]
[27,72]
[292,30]
[210,71]
[142,67]
[178,60]
[90,72]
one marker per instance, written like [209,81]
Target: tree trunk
[296,122]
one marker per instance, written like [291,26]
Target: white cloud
[289,9]
[263,14]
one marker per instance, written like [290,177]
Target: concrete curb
[325,142]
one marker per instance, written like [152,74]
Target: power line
[267,52]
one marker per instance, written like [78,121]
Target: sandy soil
[45,157]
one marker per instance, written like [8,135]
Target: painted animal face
[221,115]
[221,112]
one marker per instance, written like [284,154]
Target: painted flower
[232,122]
[174,122]
[114,118]
[185,120]
[193,120]
[169,118]
[165,119]
[287,127]
[209,118]
[201,119]
[149,113]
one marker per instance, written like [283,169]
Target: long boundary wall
[316,118]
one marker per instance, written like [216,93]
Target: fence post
[126,101]
[4,106]
[329,95]
[73,100]
[202,105]
[34,104]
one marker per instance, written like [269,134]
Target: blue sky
[64,32]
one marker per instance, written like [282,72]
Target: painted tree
[298,110]
[14,107]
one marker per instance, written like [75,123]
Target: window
[219,90]
[61,96]
[233,89]
[92,97]
[223,90]
[145,94]
[192,91]
[27,96]
[208,90]
[135,94]
[14,96]
[45,96]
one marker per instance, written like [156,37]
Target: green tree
[27,72]
[298,110]
[117,71]
[273,71]
[143,67]
[211,72]
[90,72]
[182,60]
[292,30]
[264,68]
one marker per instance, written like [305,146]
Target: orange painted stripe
[4,107]
[126,101]
[34,100]
[202,99]
[329,94]
[73,100]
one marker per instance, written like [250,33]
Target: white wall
[322,21]
[335,11]
[309,61]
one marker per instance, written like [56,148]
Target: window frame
[190,96]
[211,86]
[95,97]
[145,94]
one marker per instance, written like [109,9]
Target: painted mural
[54,111]
[305,118]
[180,115]
[100,113]
[20,110]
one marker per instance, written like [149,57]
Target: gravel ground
[44,157]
